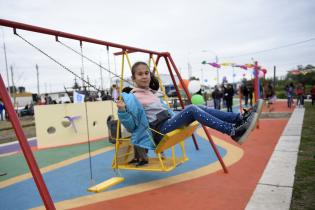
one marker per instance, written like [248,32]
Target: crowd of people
[223,94]
[299,91]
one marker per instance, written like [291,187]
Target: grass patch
[304,183]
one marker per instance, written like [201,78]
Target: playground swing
[178,135]
[169,140]
[108,183]
[124,149]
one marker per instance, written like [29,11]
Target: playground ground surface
[200,183]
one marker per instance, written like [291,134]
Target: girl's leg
[192,113]
[229,117]
[216,103]
[140,153]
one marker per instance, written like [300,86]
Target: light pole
[6,67]
[37,76]
[217,61]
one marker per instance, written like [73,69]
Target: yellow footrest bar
[106,184]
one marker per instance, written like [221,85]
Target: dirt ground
[7,133]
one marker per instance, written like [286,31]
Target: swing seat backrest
[176,136]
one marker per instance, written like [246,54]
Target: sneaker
[242,131]
[246,113]
[135,160]
[142,162]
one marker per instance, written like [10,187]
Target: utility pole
[46,87]
[189,70]
[88,85]
[202,78]
[82,65]
[108,63]
[13,85]
[101,72]
[37,74]
[217,62]
[6,68]
[274,76]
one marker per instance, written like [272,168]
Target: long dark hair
[154,82]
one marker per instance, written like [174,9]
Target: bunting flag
[240,66]
[215,65]
[77,97]
[264,71]
[227,64]
[249,65]
[297,72]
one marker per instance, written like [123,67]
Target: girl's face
[142,76]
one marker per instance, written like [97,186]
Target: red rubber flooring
[214,191]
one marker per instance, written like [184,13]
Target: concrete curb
[274,189]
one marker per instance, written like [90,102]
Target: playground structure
[257,69]
[123,50]
[70,124]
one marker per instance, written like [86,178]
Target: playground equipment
[70,123]
[124,49]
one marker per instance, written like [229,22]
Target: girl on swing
[141,109]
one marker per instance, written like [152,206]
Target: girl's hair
[135,65]
[154,83]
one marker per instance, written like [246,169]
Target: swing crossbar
[106,184]
[174,137]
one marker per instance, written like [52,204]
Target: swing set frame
[27,152]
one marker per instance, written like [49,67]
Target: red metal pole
[241,97]
[179,96]
[17,25]
[204,128]
[43,191]
[256,88]
[264,86]
[174,82]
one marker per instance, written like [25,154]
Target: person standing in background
[217,95]
[1,110]
[228,95]
[313,94]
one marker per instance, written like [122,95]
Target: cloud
[226,29]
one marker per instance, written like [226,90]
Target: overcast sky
[192,31]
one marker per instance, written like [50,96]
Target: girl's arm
[125,117]
[168,109]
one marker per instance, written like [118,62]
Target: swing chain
[92,61]
[60,64]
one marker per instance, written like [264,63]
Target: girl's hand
[121,105]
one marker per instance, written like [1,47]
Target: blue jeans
[212,118]
[217,104]
[290,100]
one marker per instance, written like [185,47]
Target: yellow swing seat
[125,151]
[106,184]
